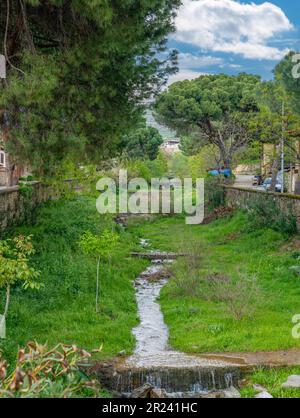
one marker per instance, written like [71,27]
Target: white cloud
[233,27]
[184,75]
[187,60]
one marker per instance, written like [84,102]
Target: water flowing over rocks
[155,370]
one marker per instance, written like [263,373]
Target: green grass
[64,310]
[198,326]
[271,379]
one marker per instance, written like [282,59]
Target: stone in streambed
[142,392]
[158,394]
[232,393]
[293,382]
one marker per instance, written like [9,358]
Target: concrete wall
[16,208]
[240,198]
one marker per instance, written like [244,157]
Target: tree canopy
[142,143]
[79,73]
[212,108]
[287,72]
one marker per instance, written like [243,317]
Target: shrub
[214,193]
[241,296]
[266,213]
[41,372]
[185,272]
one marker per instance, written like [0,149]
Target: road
[244,181]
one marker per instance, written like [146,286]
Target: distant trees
[212,109]
[79,74]
[142,143]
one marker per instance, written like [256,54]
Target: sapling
[100,247]
[14,267]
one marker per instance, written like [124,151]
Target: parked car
[267,185]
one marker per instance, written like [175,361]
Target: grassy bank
[64,309]
[271,380]
[228,249]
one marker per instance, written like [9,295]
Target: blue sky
[230,36]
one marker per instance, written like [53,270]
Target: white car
[267,185]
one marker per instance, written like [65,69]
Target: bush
[241,296]
[266,213]
[41,373]
[214,193]
[185,272]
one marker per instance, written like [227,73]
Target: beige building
[171,146]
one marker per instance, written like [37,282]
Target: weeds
[266,213]
[241,296]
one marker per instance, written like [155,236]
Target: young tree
[216,108]
[100,247]
[14,267]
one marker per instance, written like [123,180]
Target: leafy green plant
[241,296]
[265,213]
[101,247]
[25,190]
[42,372]
[14,267]
[214,193]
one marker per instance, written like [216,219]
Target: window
[2,158]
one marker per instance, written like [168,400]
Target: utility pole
[282,147]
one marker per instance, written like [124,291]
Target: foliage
[64,309]
[146,169]
[53,373]
[214,193]
[14,267]
[185,273]
[226,249]
[285,75]
[178,166]
[142,143]
[79,75]
[25,189]
[266,213]
[215,107]
[241,296]
[99,245]
[272,380]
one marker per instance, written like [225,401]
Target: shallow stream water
[154,361]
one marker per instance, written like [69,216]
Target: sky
[230,36]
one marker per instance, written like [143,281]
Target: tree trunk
[7,301]
[275,170]
[97,286]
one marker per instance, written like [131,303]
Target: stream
[154,362]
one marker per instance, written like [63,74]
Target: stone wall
[240,198]
[17,206]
